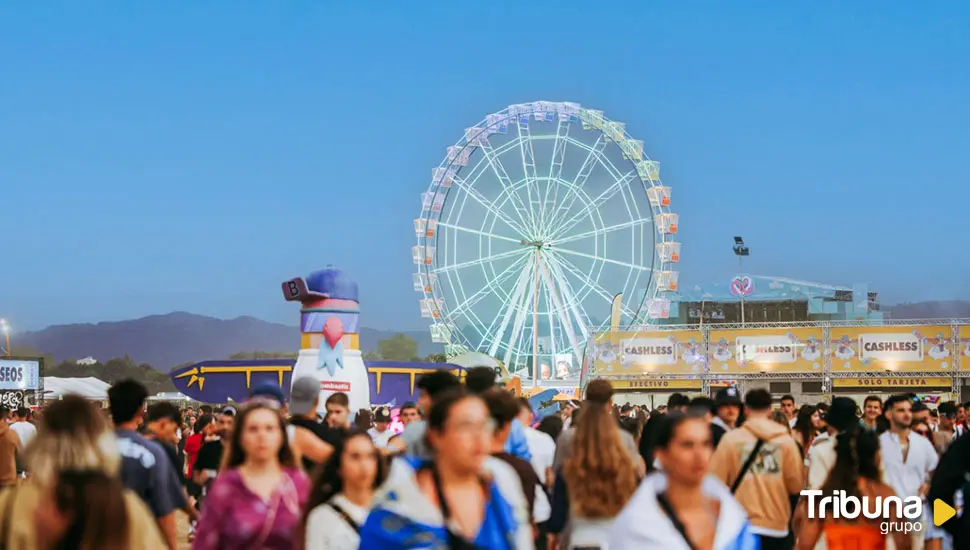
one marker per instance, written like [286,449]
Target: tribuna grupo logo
[897,514]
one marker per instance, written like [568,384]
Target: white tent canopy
[89,388]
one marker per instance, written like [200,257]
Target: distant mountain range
[164,341]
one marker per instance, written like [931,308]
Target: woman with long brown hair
[256,500]
[342,494]
[74,499]
[595,483]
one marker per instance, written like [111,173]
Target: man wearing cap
[727,410]
[311,438]
[381,431]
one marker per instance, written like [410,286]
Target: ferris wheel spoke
[489,206]
[473,263]
[555,174]
[596,287]
[579,182]
[495,162]
[485,291]
[595,203]
[559,250]
[531,181]
[601,231]
[510,306]
[478,232]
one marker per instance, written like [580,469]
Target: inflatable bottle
[330,344]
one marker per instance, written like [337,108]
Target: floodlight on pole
[741,250]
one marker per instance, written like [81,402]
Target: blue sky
[191,156]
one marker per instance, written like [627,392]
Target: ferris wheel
[535,219]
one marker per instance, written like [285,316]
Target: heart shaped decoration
[333,331]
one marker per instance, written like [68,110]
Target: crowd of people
[470,466]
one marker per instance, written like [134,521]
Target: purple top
[235,518]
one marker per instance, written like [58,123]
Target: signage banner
[766,350]
[963,347]
[895,348]
[891,383]
[656,384]
[648,352]
[16,374]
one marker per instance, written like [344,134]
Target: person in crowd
[74,498]
[22,427]
[543,448]
[342,494]
[599,393]
[704,406]
[363,421]
[145,468]
[381,431]
[9,445]
[943,436]
[762,465]
[921,413]
[408,414]
[856,472]
[209,461]
[312,439]
[161,424]
[934,419]
[256,500]
[806,428]
[502,408]
[203,432]
[727,403]
[961,420]
[482,379]
[338,411]
[788,407]
[682,506]
[677,402]
[552,426]
[871,412]
[922,427]
[597,478]
[457,499]
[429,386]
[821,456]
[949,480]
[908,460]
[782,419]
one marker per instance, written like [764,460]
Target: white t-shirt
[25,431]
[543,449]
[326,529]
[906,477]
[380,438]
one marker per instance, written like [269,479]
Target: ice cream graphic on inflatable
[329,344]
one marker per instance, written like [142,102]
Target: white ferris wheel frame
[542,231]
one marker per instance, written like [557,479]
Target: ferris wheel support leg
[563,318]
[513,300]
[516,335]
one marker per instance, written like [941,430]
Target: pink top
[235,518]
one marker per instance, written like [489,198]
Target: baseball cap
[727,396]
[841,414]
[303,395]
[382,414]
[268,390]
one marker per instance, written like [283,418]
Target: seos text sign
[17,374]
